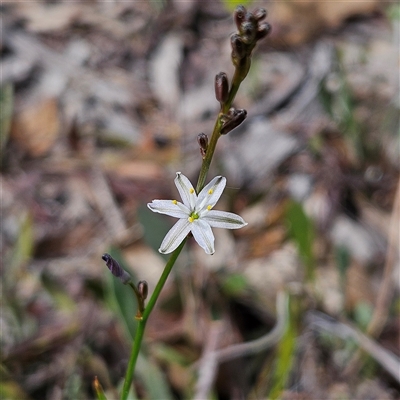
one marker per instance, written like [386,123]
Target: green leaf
[155,228]
[153,380]
[342,260]
[302,232]
[23,248]
[98,389]
[9,388]
[169,355]
[284,358]
[234,284]
[230,5]
[6,110]
[58,293]
[362,314]
[393,12]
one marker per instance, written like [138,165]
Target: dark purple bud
[202,140]
[249,17]
[238,47]
[143,289]
[248,31]
[260,14]
[239,15]
[116,269]
[263,30]
[232,112]
[221,87]
[236,117]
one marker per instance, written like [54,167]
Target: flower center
[193,216]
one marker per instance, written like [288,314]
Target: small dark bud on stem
[249,17]
[143,289]
[202,140]
[116,269]
[221,87]
[248,31]
[238,48]
[239,15]
[260,14]
[263,30]
[233,120]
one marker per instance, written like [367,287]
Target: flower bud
[238,48]
[263,30]
[235,118]
[143,289]
[260,14]
[249,17]
[248,31]
[202,140]
[239,15]
[221,87]
[116,269]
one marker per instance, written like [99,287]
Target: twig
[262,343]
[386,287]
[208,363]
[386,359]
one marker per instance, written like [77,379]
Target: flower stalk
[195,214]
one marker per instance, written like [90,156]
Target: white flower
[195,214]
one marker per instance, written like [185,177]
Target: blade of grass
[302,231]
[285,356]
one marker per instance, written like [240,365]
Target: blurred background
[101,103]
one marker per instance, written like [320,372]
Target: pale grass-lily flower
[195,214]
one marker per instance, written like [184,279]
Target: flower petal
[223,219]
[210,194]
[175,236]
[172,208]
[186,190]
[203,235]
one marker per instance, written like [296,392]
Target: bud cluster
[250,30]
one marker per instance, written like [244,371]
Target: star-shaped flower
[195,214]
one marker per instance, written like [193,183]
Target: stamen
[209,208]
[175,202]
[190,219]
[210,191]
[191,190]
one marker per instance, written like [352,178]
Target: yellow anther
[191,190]
[190,219]
[209,207]
[210,191]
[175,202]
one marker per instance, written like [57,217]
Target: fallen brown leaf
[36,127]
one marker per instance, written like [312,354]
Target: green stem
[142,322]
[236,81]
[209,154]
